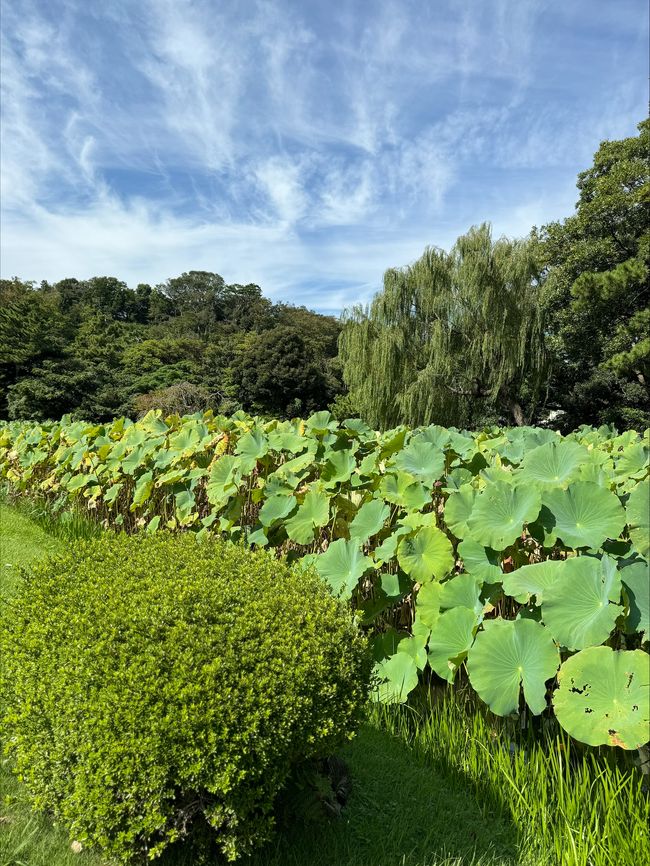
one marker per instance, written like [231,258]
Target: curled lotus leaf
[481,562]
[501,511]
[585,514]
[398,675]
[464,590]
[311,515]
[638,517]
[458,509]
[450,639]
[508,655]
[603,697]
[635,576]
[581,607]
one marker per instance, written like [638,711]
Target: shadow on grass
[401,812]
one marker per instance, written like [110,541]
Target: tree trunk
[517,413]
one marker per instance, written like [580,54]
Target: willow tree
[450,338]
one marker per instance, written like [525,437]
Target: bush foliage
[156,688]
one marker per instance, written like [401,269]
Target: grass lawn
[437,793]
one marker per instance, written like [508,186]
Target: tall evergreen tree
[597,290]
[453,338]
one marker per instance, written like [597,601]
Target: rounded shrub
[155,688]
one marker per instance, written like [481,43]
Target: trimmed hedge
[156,688]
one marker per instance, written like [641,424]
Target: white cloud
[295,145]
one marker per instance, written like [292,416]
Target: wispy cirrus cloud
[300,146]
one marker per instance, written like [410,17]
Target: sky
[305,146]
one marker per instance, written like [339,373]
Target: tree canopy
[97,348]
[452,338]
[596,290]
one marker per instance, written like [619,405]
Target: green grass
[435,785]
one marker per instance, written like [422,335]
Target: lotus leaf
[311,515]
[275,508]
[427,604]
[636,578]
[638,518]
[369,520]
[533,579]
[342,564]
[553,464]
[400,676]
[458,509]
[500,513]
[603,697]
[481,562]
[402,489]
[581,607]
[427,555]
[450,639]
[508,654]
[462,591]
[585,514]
[423,460]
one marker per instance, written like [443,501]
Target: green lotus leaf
[427,555]
[455,479]
[113,492]
[338,468]
[257,536]
[508,654]
[321,422]
[500,513]
[638,518]
[78,482]
[585,514]
[400,676]
[388,548]
[142,490]
[285,438]
[636,578]
[276,507]
[312,514]
[342,565]
[394,585]
[402,489]
[427,604]
[185,503]
[462,591]
[553,464]
[414,646]
[416,519]
[450,639]
[224,478]
[581,607]
[252,447]
[434,434]
[458,509]
[481,562]
[633,462]
[421,459]
[602,697]
[535,579]
[369,520]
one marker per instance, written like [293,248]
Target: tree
[451,338]
[596,290]
[278,373]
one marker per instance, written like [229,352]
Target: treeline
[97,348]
[553,328]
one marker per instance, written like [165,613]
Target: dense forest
[553,328]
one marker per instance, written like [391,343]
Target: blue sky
[305,145]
